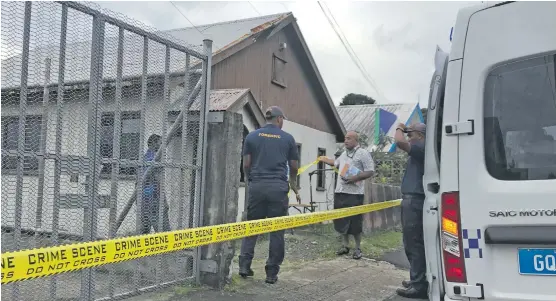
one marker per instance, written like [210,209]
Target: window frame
[106,167]
[27,134]
[276,79]
[321,175]
[491,120]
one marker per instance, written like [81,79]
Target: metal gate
[87,98]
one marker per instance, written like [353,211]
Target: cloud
[395,41]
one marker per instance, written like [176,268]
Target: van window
[520,120]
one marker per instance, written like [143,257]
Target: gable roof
[247,31]
[362,118]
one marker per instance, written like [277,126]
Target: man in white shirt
[350,189]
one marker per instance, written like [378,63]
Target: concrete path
[341,279]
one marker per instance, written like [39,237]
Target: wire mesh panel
[102,137]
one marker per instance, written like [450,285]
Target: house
[377,121]
[256,63]
[270,56]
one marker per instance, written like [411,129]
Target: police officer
[413,198]
[267,152]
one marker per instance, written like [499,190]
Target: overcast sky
[394,40]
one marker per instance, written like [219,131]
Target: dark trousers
[150,214]
[412,226]
[352,224]
[265,201]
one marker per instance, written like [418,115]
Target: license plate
[537,262]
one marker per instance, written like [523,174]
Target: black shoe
[271,279]
[412,293]
[357,254]
[342,251]
[406,283]
[244,272]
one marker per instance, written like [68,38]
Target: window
[520,120]
[129,140]
[321,176]
[10,140]
[278,71]
[299,165]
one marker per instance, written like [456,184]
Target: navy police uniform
[270,149]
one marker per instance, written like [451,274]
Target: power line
[254,8]
[353,51]
[179,11]
[350,50]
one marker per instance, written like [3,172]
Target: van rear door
[507,153]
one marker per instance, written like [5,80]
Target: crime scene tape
[35,263]
[303,168]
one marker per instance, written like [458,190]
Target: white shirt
[359,158]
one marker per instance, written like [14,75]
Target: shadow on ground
[310,271]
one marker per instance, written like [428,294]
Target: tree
[424,113]
[357,99]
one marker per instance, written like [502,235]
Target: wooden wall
[301,99]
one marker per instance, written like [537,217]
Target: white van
[490,167]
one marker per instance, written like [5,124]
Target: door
[431,178]
[507,162]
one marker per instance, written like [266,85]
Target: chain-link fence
[390,167]
[103,136]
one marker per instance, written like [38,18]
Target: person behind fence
[413,197]
[267,153]
[355,165]
[152,199]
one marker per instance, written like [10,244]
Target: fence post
[202,147]
[221,194]
[93,149]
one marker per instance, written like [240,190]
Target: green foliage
[357,99]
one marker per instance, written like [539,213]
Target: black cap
[273,112]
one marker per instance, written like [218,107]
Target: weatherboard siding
[252,68]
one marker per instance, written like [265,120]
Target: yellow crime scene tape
[41,262]
[303,168]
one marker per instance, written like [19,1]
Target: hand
[401,126]
[298,197]
[351,180]
[322,158]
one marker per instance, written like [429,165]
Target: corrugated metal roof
[221,99]
[78,55]
[361,118]
[225,34]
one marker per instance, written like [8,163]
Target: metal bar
[205,96]
[107,81]
[21,131]
[140,172]
[149,170]
[58,147]
[93,148]
[184,128]
[186,181]
[134,29]
[116,150]
[164,118]
[44,131]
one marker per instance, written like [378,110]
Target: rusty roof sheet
[221,99]
[226,34]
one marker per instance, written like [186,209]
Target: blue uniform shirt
[412,182]
[271,149]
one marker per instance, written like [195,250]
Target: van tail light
[452,245]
